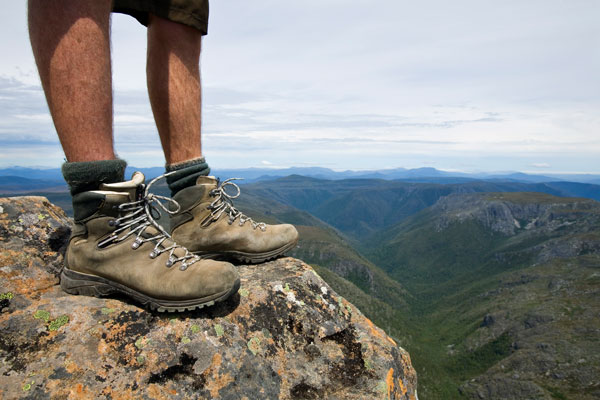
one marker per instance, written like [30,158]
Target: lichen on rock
[285,335]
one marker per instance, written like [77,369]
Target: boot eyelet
[135,245]
[153,254]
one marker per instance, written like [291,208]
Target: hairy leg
[173,73]
[71,46]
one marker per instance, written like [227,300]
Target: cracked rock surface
[285,335]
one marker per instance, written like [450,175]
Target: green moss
[27,386]
[185,340]
[42,314]
[106,310]
[195,328]
[58,322]
[219,330]
[139,343]
[254,345]
[140,359]
[243,292]
[7,296]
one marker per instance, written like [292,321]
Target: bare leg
[71,46]
[173,72]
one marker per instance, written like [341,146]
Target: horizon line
[366,170]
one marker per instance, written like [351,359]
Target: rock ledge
[286,335]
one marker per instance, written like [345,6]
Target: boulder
[285,335]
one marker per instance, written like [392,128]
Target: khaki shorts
[193,13]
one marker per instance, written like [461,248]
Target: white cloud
[35,117]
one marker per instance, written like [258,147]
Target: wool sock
[186,173]
[88,175]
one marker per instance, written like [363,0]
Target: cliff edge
[285,335]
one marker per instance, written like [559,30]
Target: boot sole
[250,258]
[78,283]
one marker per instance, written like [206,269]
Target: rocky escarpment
[285,335]
[554,227]
[512,213]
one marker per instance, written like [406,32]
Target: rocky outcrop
[285,335]
[512,213]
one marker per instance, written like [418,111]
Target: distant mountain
[505,289]
[575,189]
[427,174]
[52,174]
[17,184]
[517,177]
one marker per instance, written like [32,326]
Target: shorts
[193,13]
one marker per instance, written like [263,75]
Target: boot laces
[224,204]
[137,216]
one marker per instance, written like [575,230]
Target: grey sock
[88,175]
[187,173]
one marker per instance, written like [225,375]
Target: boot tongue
[207,180]
[130,187]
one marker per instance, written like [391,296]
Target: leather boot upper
[114,238]
[207,222]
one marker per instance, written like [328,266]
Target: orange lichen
[103,347]
[401,386]
[373,329]
[377,332]
[156,392]
[80,392]
[217,381]
[390,383]
[71,367]
[216,361]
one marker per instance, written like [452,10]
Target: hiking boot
[117,247]
[209,225]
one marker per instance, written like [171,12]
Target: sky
[469,85]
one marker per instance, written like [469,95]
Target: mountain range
[426,174]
